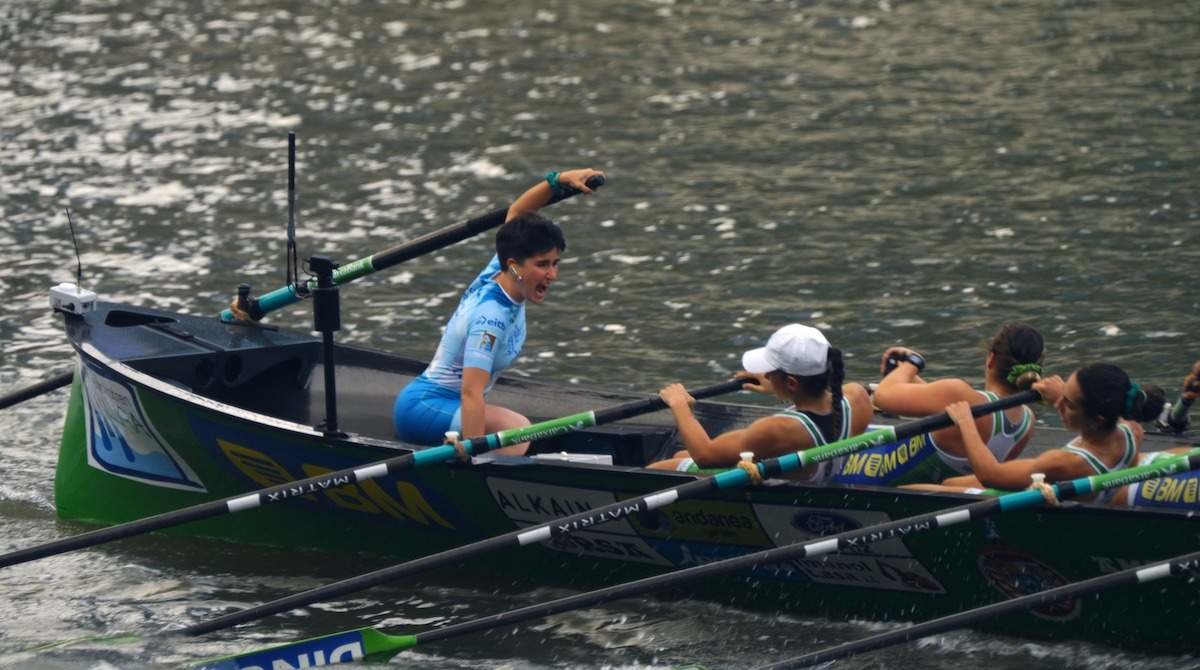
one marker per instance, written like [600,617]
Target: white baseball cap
[795,349]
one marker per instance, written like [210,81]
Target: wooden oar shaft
[21,395]
[430,242]
[546,531]
[1188,564]
[818,547]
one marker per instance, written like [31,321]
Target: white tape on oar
[244,503]
[661,499]
[951,518]
[1154,572]
[370,472]
[534,536]
[820,548]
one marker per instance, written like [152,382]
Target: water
[893,172]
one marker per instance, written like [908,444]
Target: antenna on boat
[68,297]
[75,243]
[293,264]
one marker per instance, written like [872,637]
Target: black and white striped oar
[359,643]
[331,480]
[1188,564]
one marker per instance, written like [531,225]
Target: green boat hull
[134,446]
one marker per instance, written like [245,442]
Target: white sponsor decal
[531,504]
[885,564]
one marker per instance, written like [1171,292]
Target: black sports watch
[909,357]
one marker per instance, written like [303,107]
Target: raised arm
[541,193]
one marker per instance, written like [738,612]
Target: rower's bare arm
[474,407]
[540,193]
[906,398]
[1014,474]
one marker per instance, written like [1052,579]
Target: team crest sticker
[487,341]
[1015,573]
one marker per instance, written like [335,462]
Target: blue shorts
[424,411]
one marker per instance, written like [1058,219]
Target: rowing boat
[170,410]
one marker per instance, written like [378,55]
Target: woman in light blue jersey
[1099,401]
[798,366]
[1013,363]
[487,330]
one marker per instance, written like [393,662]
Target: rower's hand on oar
[761,383]
[1050,388]
[578,179]
[960,413]
[894,355]
[676,396]
[239,313]
[1191,383]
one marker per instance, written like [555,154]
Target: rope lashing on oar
[391,466]
[1048,493]
[854,539]
[21,395]
[428,243]
[1187,564]
[730,479]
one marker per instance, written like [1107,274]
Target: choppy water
[915,172]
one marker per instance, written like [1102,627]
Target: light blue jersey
[486,331]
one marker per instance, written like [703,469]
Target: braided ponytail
[830,380]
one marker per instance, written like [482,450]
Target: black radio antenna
[293,265]
[75,243]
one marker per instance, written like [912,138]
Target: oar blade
[345,647]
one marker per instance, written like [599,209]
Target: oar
[1188,564]
[396,465]
[438,239]
[46,386]
[734,478]
[354,644]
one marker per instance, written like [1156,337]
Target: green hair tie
[1131,397]
[1020,369]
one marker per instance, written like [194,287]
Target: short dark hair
[527,235]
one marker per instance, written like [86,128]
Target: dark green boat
[168,411]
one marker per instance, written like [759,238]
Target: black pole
[58,381]
[293,272]
[326,319]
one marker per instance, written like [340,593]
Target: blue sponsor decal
[885,464]
[488,321]
[340,648]
[122,441]
[823,522]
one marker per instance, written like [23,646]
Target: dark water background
[893,172]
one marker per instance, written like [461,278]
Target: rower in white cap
[799,366]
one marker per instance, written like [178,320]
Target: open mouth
[539,292]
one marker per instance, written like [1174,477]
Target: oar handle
[573,422]
[430,242]
[655,403]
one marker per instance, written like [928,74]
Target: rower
[799,366]
[1099,401]
[1013,363]
[487,330]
